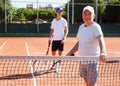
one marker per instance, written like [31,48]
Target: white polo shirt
[88,44]
[58,26]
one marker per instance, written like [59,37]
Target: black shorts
[56,45]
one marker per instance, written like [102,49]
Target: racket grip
[72,54]
[46,53]
[49,44]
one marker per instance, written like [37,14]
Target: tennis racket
[45,67]
[34,62]
[42,67]
[48,48]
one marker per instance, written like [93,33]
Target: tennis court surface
[23,63]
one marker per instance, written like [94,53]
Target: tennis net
[41,71]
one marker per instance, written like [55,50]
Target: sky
[43,3]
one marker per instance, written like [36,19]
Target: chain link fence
[40,13]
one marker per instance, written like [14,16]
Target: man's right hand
[49,41]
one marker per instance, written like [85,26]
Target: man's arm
[73,50]
[103,53]
[66,32]
[51,34]
[102,44]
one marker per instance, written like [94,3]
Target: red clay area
[37,46]
[31,46]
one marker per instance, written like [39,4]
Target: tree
[1,12]
[11,13]
[20,15]
[101,9]
[2,9]
[47,15]
[28,13]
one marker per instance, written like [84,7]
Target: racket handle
[48,48]
[72,54]
[47,53]
[49,44]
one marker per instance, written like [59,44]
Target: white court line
[2,45]
[31,67]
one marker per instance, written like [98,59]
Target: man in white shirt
[58,32]
[90,43]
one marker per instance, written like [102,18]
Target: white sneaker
[58,69]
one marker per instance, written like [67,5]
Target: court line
[27,47]
[2,45]
[31,67]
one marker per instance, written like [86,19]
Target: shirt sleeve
[52,24]
[79,31]
[66,25]
[98,31]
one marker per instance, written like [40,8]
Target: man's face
[59,13]
[88,16]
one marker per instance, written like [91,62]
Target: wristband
[103,53]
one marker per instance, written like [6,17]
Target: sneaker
[58,69]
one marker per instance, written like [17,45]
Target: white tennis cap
[89,8]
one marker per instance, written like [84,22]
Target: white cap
[89,8]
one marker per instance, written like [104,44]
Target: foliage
[1,11]
[19,16]
[113,1]
[8,9]
[109,12]
[47,15]
[101,7]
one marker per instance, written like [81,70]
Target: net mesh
[41,71]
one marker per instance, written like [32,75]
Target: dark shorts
[56,45]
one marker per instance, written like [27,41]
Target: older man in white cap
[90,43]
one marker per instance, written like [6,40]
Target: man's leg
[91,74]
[60,52]
[88,83]
[53,53]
